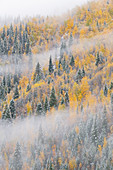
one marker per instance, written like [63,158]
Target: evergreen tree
[94,132]
[5,46]
[39,109]
[83,72]
[79,76]
[46,105]
[4,81]
[62,101]
[104,122]
[72,62]
[97,59]
[16,92]
[50,66]
[70,40]
[111,86]
[27,47]
[20,49]
[66,98]
[11,30]
[12,109]
[6,113]
[64,64]
[37,75]
[3,33]
[1,47]
[28,87]
[15,79]
[112,103]
[53,100]
[23,42]
[105,90]
[17,158]
[8,84]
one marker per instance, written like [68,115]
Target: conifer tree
[12,109]
[5,47]
[1,47]
[50,66]
[28,87]
[112,103]
[46,105]
[62,101]
[111,85]
[97,59]
[66,98]
[37,75]
[4,81]
[39,109]
[83,72]
[79,76]
[105,90]
[72,62]
[17,158]
[3,33]
[27,47]
[53,100]
[104,122]
[71,39]
[94,131]
[8,84]
[16,92]
[6,113]
[64,64]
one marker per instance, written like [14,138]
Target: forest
[56,91]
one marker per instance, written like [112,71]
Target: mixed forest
[65,105]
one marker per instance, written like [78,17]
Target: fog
[24,8]
[62,131]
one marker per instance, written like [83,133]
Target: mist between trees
[59,141]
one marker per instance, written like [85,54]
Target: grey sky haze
[33,7]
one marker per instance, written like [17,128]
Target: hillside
[56,78]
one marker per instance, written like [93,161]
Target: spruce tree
[39,110]
[50,66]
[4,81]
[72,62]
[8,84]
[70,40]
[79,76]
[66,98]
[37,75]
[94,132]
[28,87]
[16,92]
[112,103]
[27,47]
[23,43]
[97,59]
[17,158]
[3,33]
[6,113]
[111,86]
[5,47]
[1,47]
[62,101]
[46,105]
[12,109]
[53,100]
[64,64]
[105,90]
[104,122]
[83,72]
